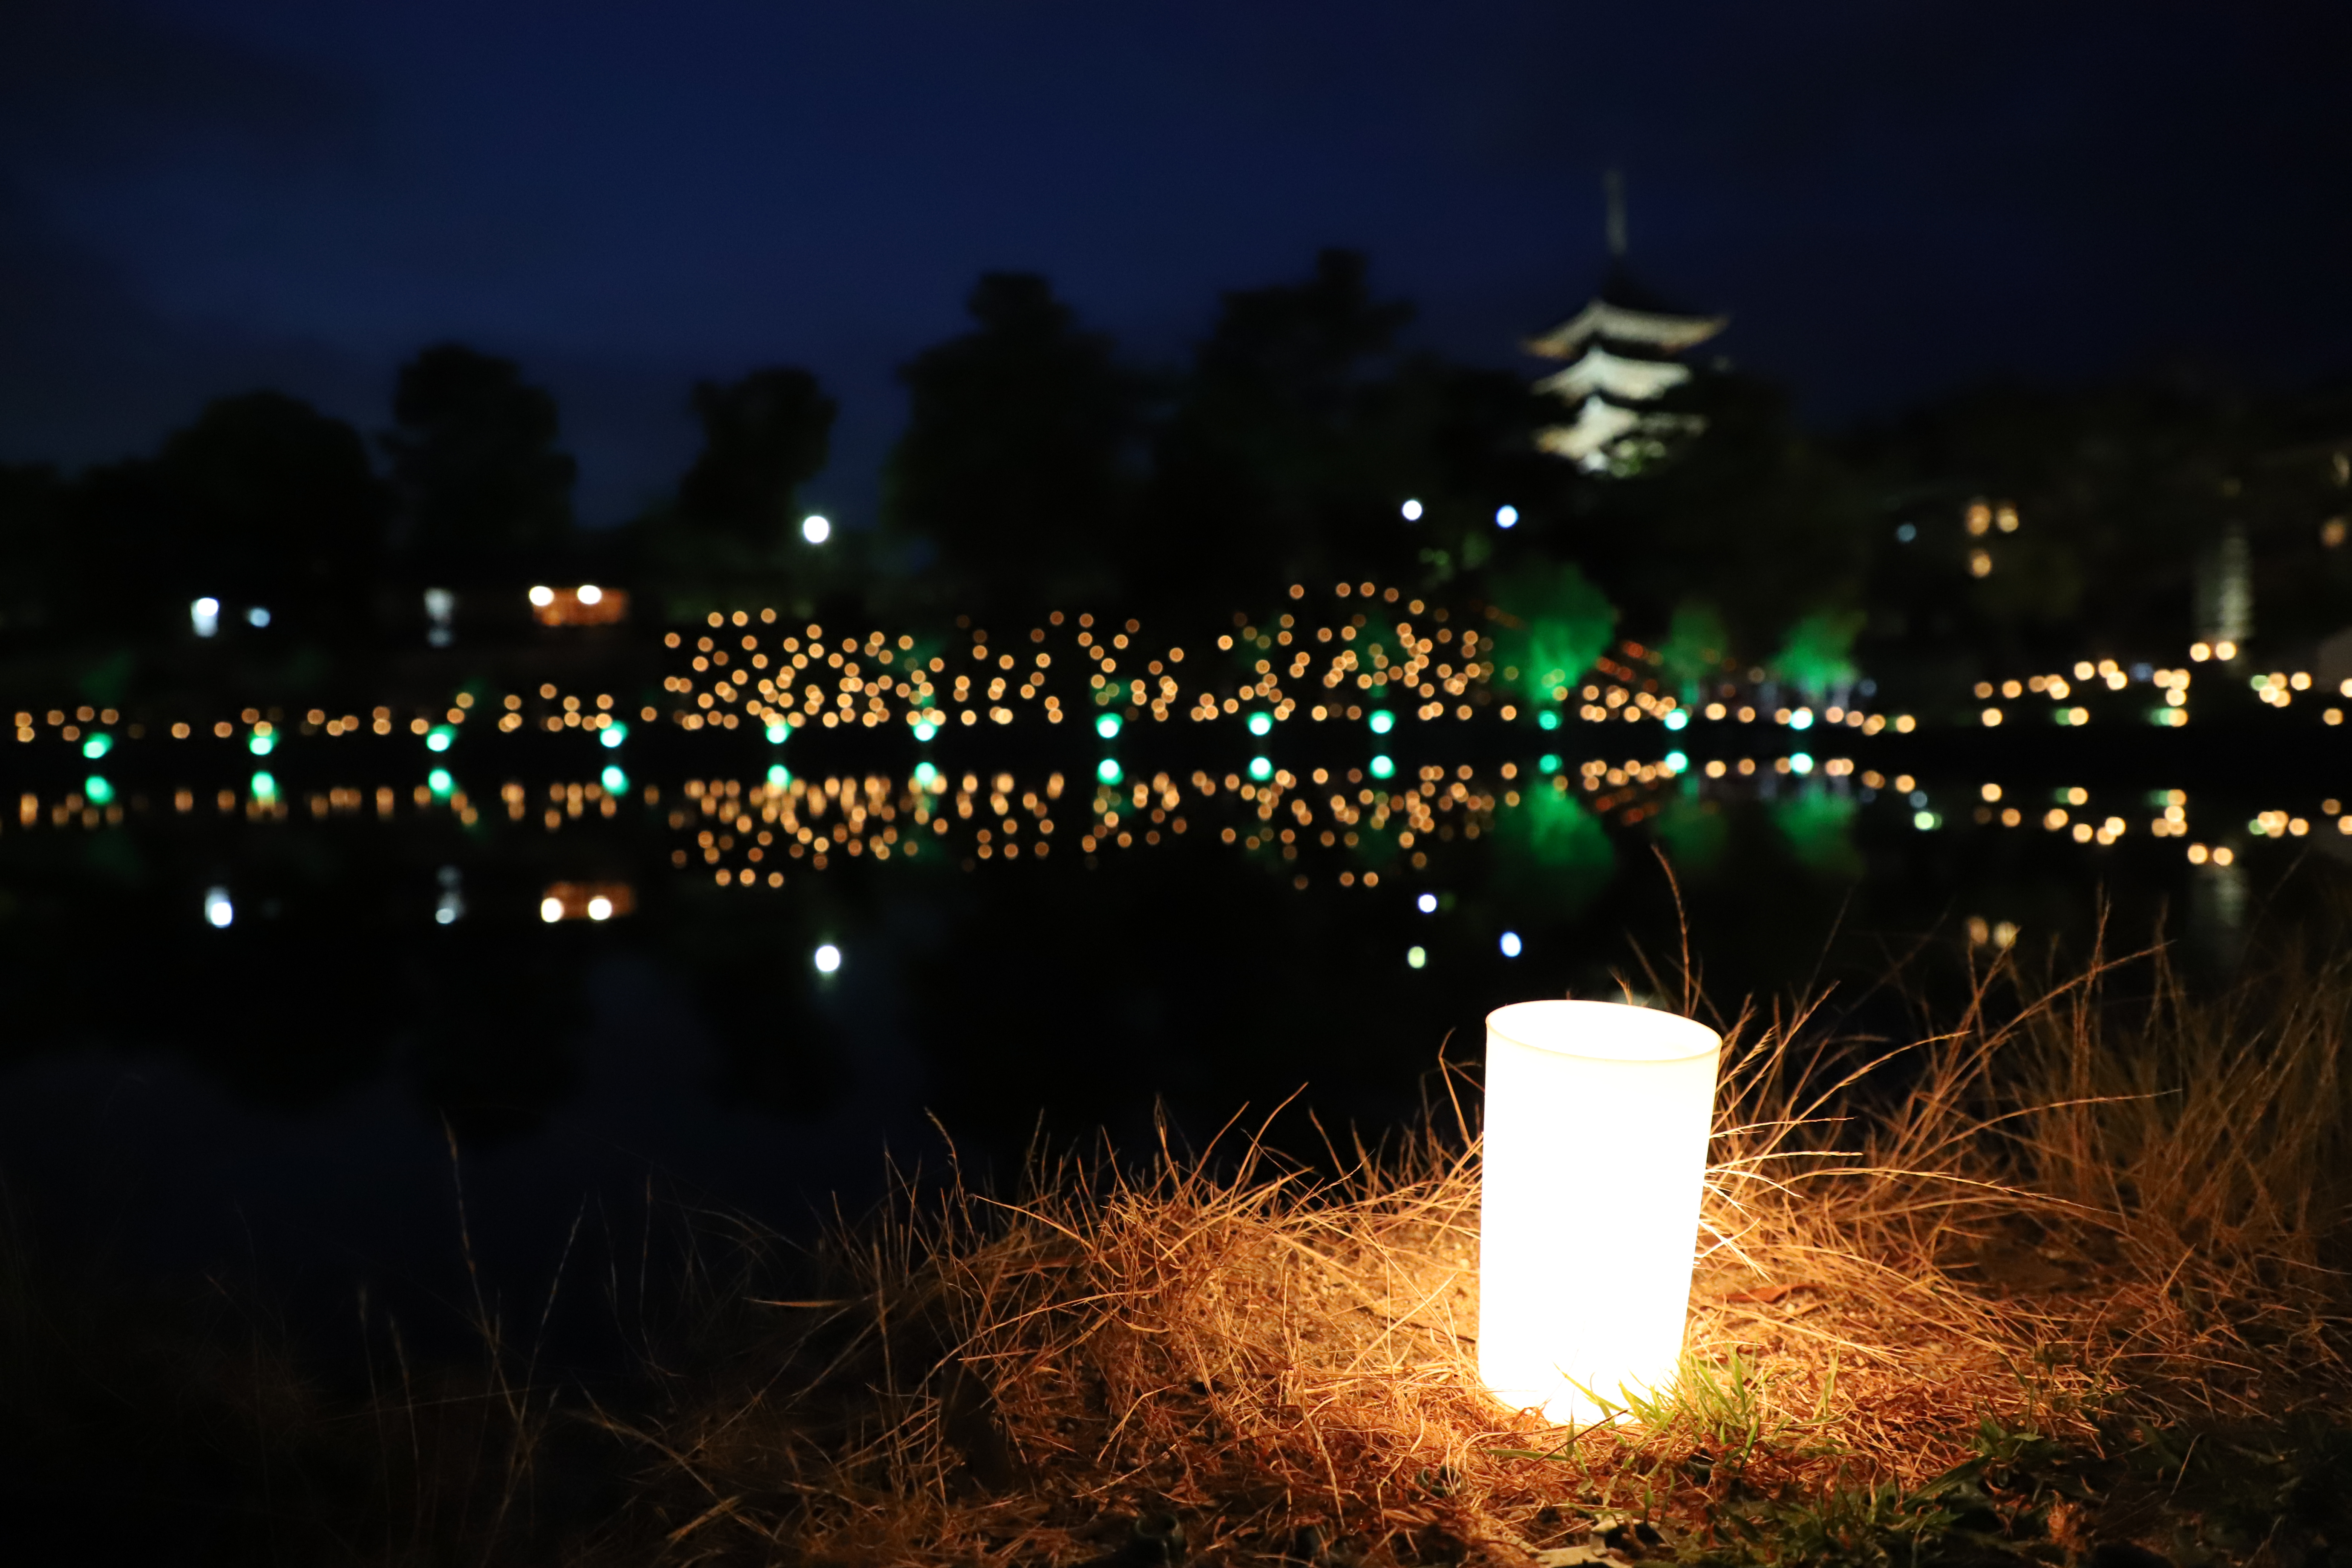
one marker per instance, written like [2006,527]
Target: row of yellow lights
[2171,822]
[594,713]
[789,818]
[2275,688]
[766,688]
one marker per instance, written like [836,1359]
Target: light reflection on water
[367,957]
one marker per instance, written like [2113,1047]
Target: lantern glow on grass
[1597,1121]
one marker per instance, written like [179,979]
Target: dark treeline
[1040,469]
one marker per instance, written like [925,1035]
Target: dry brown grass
[2068,1202]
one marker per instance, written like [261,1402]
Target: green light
[1549,763]
[618,731]
[1108,726]
[439,781]
[439,737]
[926,729]
[1382,721]
[1261,723]
[779,776]
[1676,763]
[614,781]
[1382,768]
[924,774]
[261,745]
[1680,717]
[1549,719]
[1800,763]
[1107,771]
[777,735]
[96,791]
[264,787]
[96,746]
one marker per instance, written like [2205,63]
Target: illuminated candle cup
[1597,1121]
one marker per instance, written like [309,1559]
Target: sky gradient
[1890,201]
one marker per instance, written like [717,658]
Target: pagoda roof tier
[1623,325]
[1615,377]
[1597,425]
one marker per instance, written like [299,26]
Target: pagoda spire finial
[1613,183]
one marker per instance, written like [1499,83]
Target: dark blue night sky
[1891,201]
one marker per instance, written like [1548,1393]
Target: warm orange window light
[1594,1160]
[585,605]
[586,902]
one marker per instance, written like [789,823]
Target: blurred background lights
[926,729]
[543,595]
[924,774]
[1509,944]
[1676,761]
[261,745]
[1802,718]
[1412,510]
[451,904]
[1415,957]
[1426,904]
[1382,721]
[265,788]
[1507,517]
[816,529]
[1261,768]
[1925,821]
[781,776]
[1383,768]
[589,593]
[218,910]
[550,909]
[1261,723]
[204,615]
[1108,770]
[439,782]
[600,908]
[614,781]
[1545,719]
[96,791]
[827,958]
[1798,763]
[257,616]
[96,746]
[1108,726]
[613,735]
[1677,719]
[438,738]
[1549,763]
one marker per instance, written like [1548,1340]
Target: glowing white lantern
[1595,1156]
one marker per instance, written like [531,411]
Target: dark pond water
[253,998]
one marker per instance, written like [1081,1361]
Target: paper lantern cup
[1595,1158]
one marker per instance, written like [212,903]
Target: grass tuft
[2083,1201]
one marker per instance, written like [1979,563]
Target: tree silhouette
[276,506]
[485,498]
[734,529]
[762,438]
[261,501]
[1017,461]
[1300,430]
